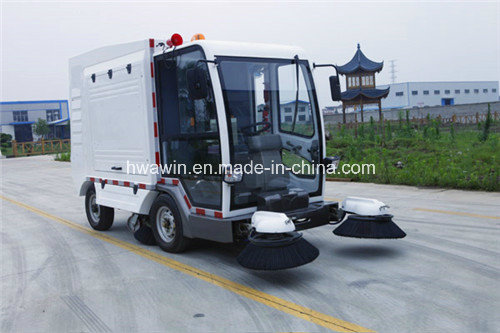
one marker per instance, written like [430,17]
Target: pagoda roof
[360,63]
[351,94]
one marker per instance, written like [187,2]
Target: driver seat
[271,187]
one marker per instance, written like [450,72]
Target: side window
[189,134]
[301,123]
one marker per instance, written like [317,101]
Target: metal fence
[40,147]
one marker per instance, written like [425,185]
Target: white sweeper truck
[202,139]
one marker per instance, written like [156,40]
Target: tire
[99,217]
[145,235]
[166,224]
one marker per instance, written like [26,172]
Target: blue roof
[360,63]
[368,93]
[36,102]
[293,102]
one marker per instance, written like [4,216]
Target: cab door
[188,128]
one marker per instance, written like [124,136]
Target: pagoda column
[362,117]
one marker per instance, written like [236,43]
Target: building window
[436,92]
[414,92]
[494,90]
[447,92]
[353,81]
[426,92]
[399,93]
[467,91]
[288,109]
[476,91]
[302,117]
[457,91]
[302,109]
[367,80]
[20,116]
[52,115]
[485,90]
[288,119]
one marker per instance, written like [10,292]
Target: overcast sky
[431,41]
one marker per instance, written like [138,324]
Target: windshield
[270,124]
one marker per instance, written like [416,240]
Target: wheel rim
[165,223]
[94,209]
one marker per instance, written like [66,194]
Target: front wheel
[166,224]
[99,217]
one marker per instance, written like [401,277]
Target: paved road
[58,277]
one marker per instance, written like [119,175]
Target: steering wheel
[251,130]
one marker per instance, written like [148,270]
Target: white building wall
[478,92]
[7,129]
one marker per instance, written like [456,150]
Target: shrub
[63,157]
[5,140]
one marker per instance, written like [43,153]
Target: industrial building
[17,118]
[422,94]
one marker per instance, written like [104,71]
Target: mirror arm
[327,65]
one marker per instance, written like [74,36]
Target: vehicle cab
[251,107]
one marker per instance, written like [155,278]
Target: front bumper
[315,215]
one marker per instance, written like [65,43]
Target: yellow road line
[296,310]
[457,213]
[333,199]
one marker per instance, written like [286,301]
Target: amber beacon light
[197,37]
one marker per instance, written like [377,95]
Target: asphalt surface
[443,277]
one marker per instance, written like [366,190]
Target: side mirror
[331,160]
[197,82]
[335,88]
[232,176]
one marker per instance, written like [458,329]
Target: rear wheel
[99,217]
[166,224]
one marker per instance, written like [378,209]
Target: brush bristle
[145,235]
[366,227]
[296,254]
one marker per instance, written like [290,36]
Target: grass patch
[63,157]
[451,156]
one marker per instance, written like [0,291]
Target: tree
[41,128]
[487,124]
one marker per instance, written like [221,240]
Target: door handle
[116,168]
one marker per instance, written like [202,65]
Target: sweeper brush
[142,232]
[274,244]
[359,226]
[369,219]
[277,251]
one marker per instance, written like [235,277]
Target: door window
[189,133]
[301,122]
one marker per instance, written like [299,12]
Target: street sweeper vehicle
[202,140]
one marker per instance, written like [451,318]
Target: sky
[430,41]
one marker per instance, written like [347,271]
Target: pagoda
[360,83]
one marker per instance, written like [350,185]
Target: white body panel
[271,222]
[112,120]
[124,198]
[364,206]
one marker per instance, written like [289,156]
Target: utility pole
[393,70]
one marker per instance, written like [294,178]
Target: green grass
[432,155]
